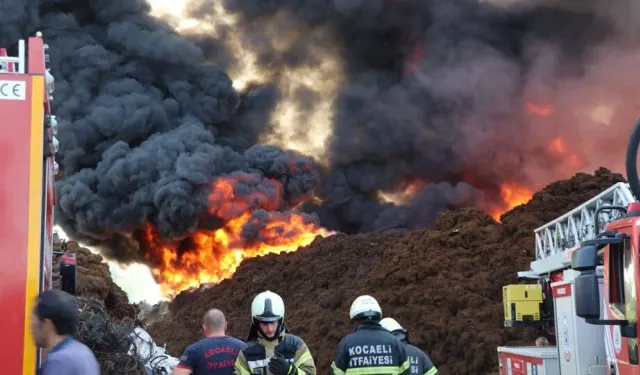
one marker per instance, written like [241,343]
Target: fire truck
[586,268]
[27,196]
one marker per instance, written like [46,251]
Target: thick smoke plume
[458,97]
[464,96]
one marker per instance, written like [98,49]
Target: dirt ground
[444,285]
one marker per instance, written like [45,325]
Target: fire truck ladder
[9,64]
[555,239]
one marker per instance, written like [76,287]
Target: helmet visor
[267,319]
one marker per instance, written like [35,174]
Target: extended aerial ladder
[554,244]
[556,239]
[27,196]
[588,272]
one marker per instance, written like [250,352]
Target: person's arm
[187,362]
[339,364]
[303,361]
[429,368]
[241,367]
[405,365]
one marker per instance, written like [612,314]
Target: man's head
[542,341]
[214,323]
[394,327]
[55,315]
[267,314]
[365,308]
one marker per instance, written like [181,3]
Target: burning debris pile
[266,124]
[443,284]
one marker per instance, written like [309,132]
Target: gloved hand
[280,366]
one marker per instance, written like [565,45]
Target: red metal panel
[560,291]
[518,363]
[15,130]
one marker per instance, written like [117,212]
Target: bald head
[214,321]
[542,341]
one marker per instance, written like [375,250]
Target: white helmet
[267,307]
[365,307]
[391,325]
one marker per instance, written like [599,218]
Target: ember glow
[513,194]
[250,230]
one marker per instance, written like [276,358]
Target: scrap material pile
[443,284]
[108,323]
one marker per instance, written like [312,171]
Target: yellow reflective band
[432,371]
[372,370]
[405,366]
[303,358]
[243,371]
[336,369]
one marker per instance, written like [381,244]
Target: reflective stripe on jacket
[254,358]
[370,349]
[420,362]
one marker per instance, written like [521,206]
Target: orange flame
[404,193]
[539,109]
[512,194]
[214,255]
[558,147]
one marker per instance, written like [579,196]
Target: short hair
[214,318]
[61,308]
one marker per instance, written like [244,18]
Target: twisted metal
[109,334]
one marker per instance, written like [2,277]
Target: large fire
[250,230]
[512,194]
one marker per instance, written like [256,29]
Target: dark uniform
[211,356]
[420,362]
[370,349]
[254,358]
[68,273]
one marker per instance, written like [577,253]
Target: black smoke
[149,118]
[457,118]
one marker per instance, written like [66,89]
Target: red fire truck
[587,268]
[27,196]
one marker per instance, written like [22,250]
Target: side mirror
[585,259]
[587,301]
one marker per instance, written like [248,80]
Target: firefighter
[420,362]
[68,272]
[270,348]
[369,349]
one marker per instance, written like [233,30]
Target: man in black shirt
[213,355]
[420,362]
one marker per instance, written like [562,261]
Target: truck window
[622,288]
[616,277]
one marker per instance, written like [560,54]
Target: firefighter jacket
[370,349]
[254,358]
[420,362]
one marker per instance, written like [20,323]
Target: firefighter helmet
[365,307]
[267,307]
[394,327]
